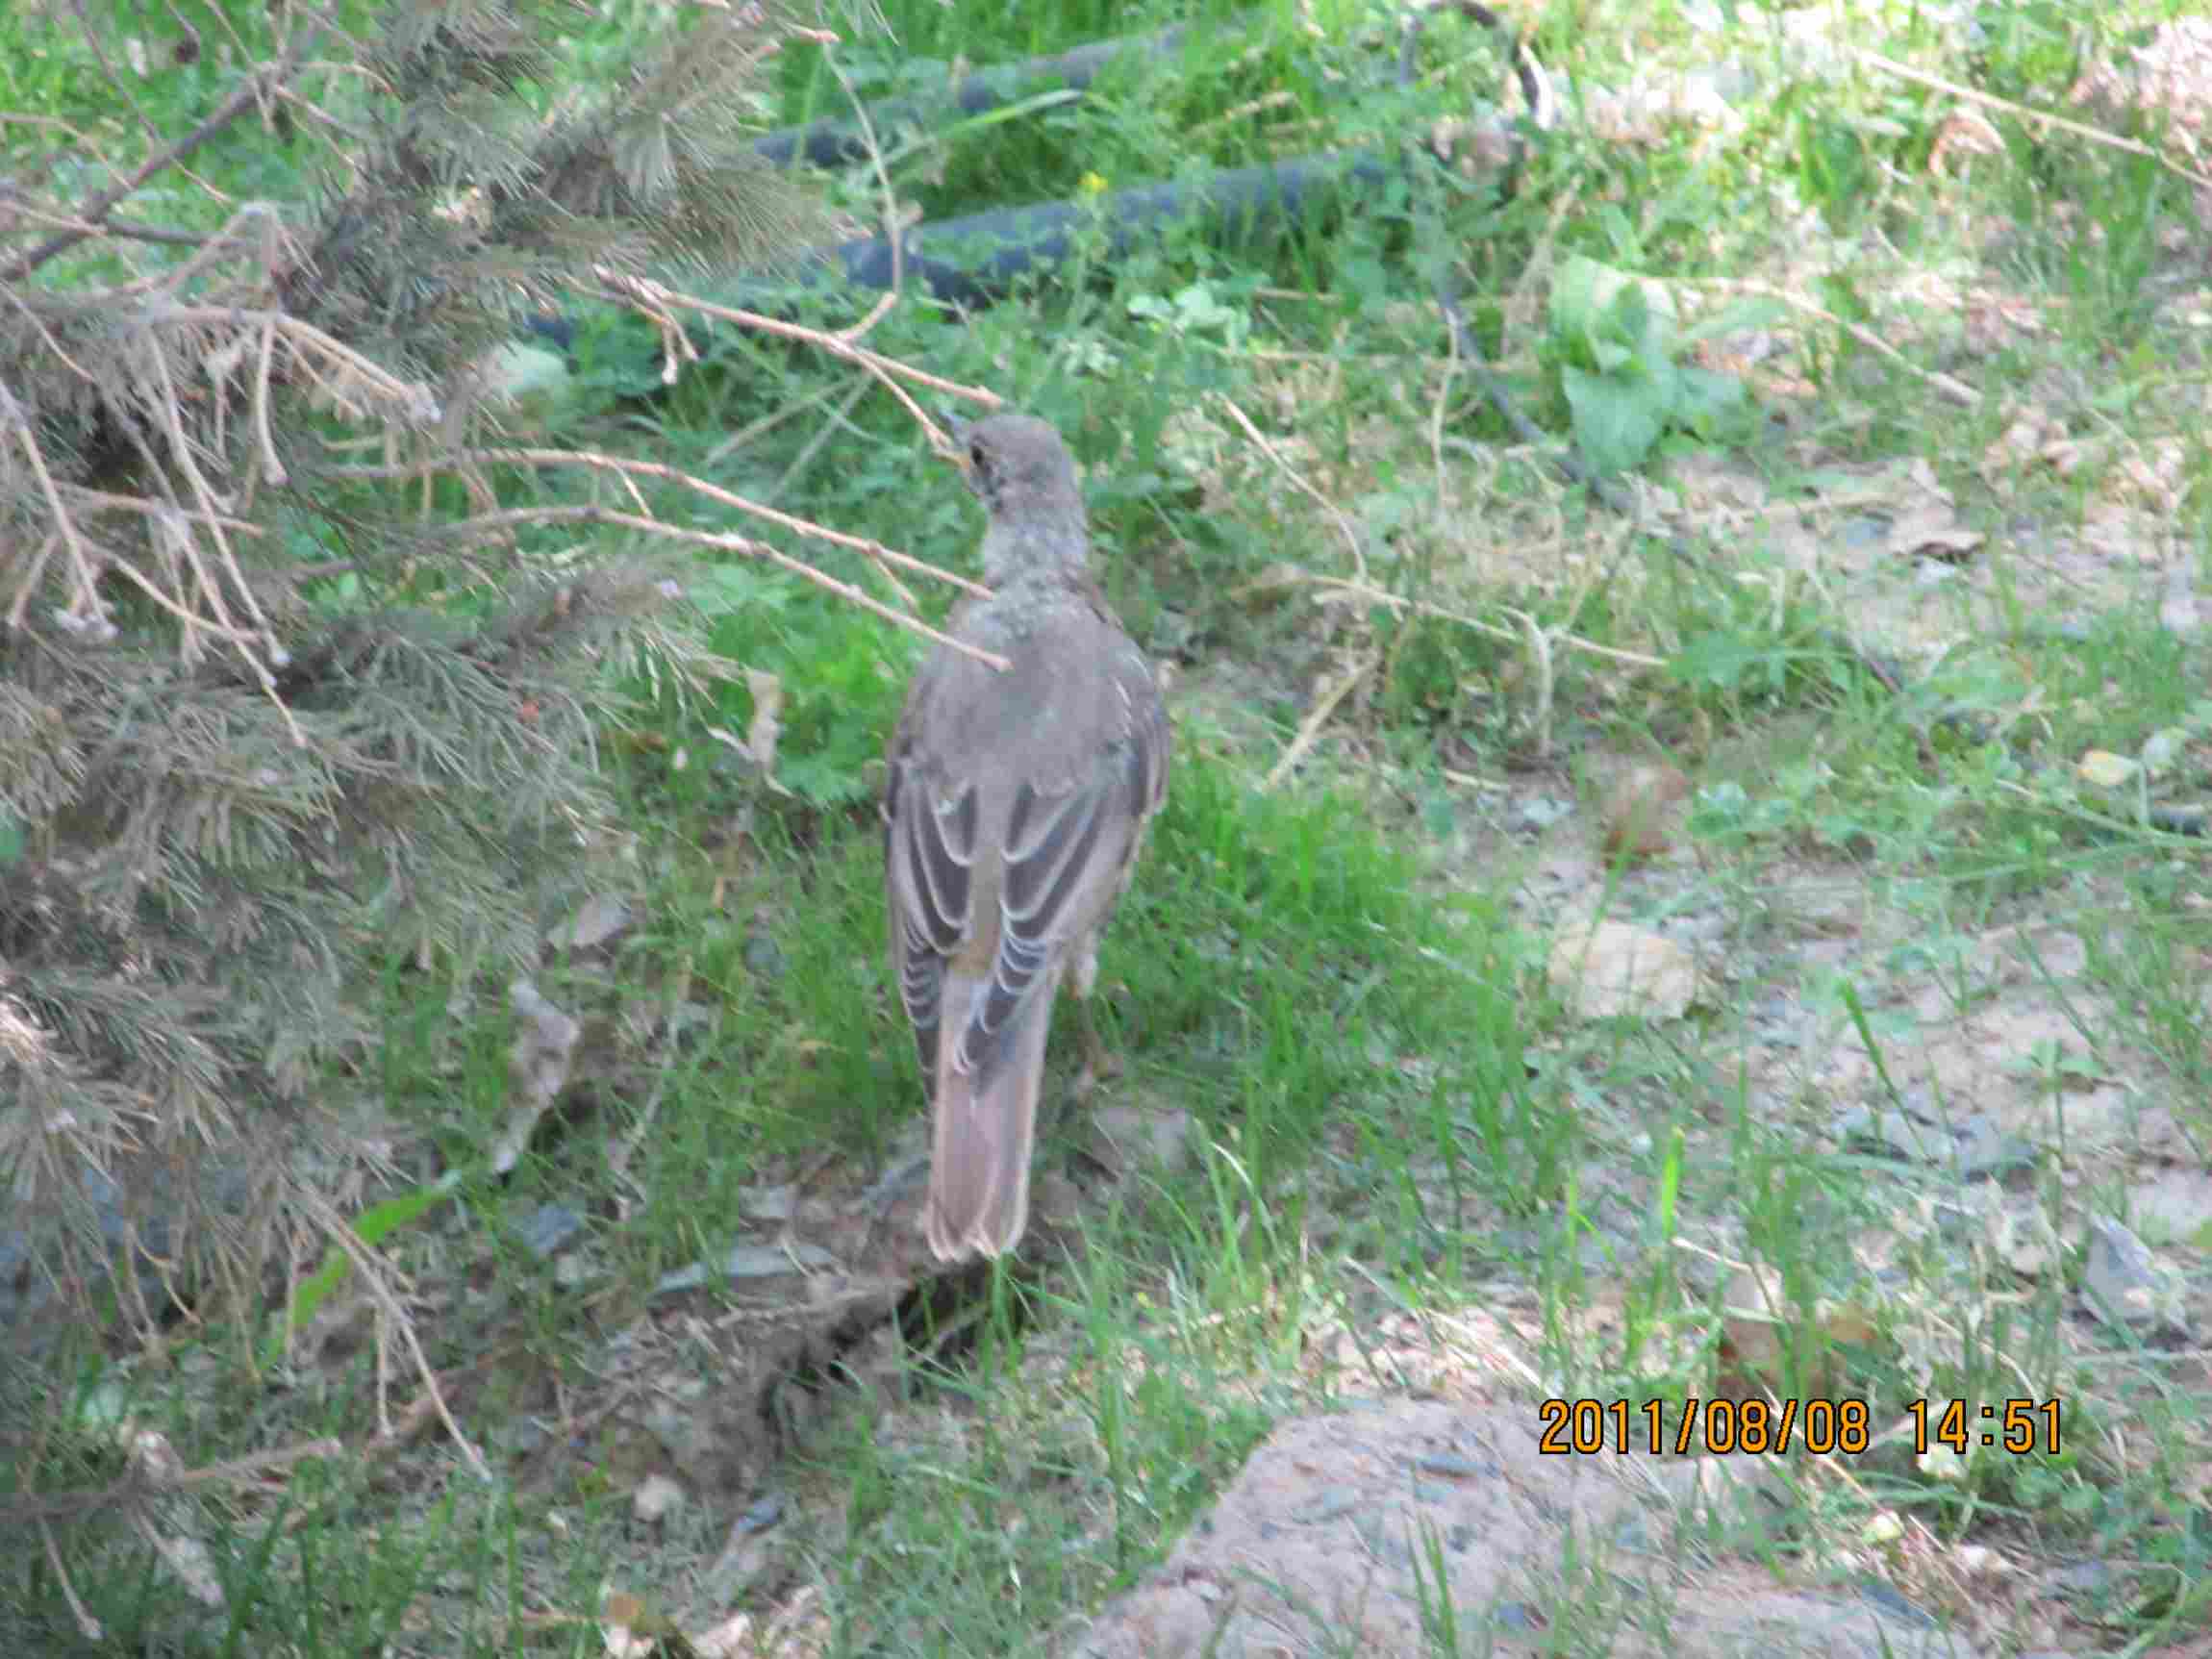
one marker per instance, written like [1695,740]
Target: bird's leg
[1099,1064]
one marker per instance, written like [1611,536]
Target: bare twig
[83,565]
[40,1508]
[1351,534]
[129,230]
[1317,716]
[408,400]
[890,227]
[624,465]
[339,1231]
[93,34]
[619,285]
[87,1626]
[1399,602]
[494,523]
[2043,117]
[763,424]
[246,95]
[1957,391]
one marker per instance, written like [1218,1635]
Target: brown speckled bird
[1013,813]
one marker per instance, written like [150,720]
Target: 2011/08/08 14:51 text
[1822,1427]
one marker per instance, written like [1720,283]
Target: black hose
[1001,246]
[837,144]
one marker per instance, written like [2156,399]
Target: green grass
[1390,1106]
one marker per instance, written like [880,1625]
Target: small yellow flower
[1093,185]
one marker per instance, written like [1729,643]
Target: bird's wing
[1050,867]
[929,865]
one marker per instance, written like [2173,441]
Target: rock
[1976,1147]
[1125,1138]
[1608,969]
[2123,1284]
[597,920]
[1326,1543]
[1642,812]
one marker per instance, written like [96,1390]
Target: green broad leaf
[1611,356]
[1616,420]
[1754,310]
[1703,397]
[372,1226]
[1718,660]
[1634,321]
[1578,307]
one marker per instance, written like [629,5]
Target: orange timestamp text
[1720,1428]
[2014,1427]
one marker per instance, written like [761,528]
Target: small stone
[684,1278]
[1454,1465]
[1124,1139]
[548,1228]
[1542,812]
[1641,812]
[1885,1598]
[2082,1578]
[1893,1134]
[762,1514]
[1988,1151]
[2124,1283]
[656,1498]
[597,920]
[1332,1502]
[768,1261]
[764,958]
[767,1205]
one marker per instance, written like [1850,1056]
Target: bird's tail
[985,1124]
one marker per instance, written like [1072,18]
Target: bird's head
[1025,479]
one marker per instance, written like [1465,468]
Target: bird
[1015,809]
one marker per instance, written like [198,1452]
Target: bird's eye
[975,453]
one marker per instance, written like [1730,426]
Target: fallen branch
[1310,728]
[1957,391]
[1989,100]
[1342,523]
[48,1507]
[887,370]
[248,93]
[1421,607]
[496,523]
